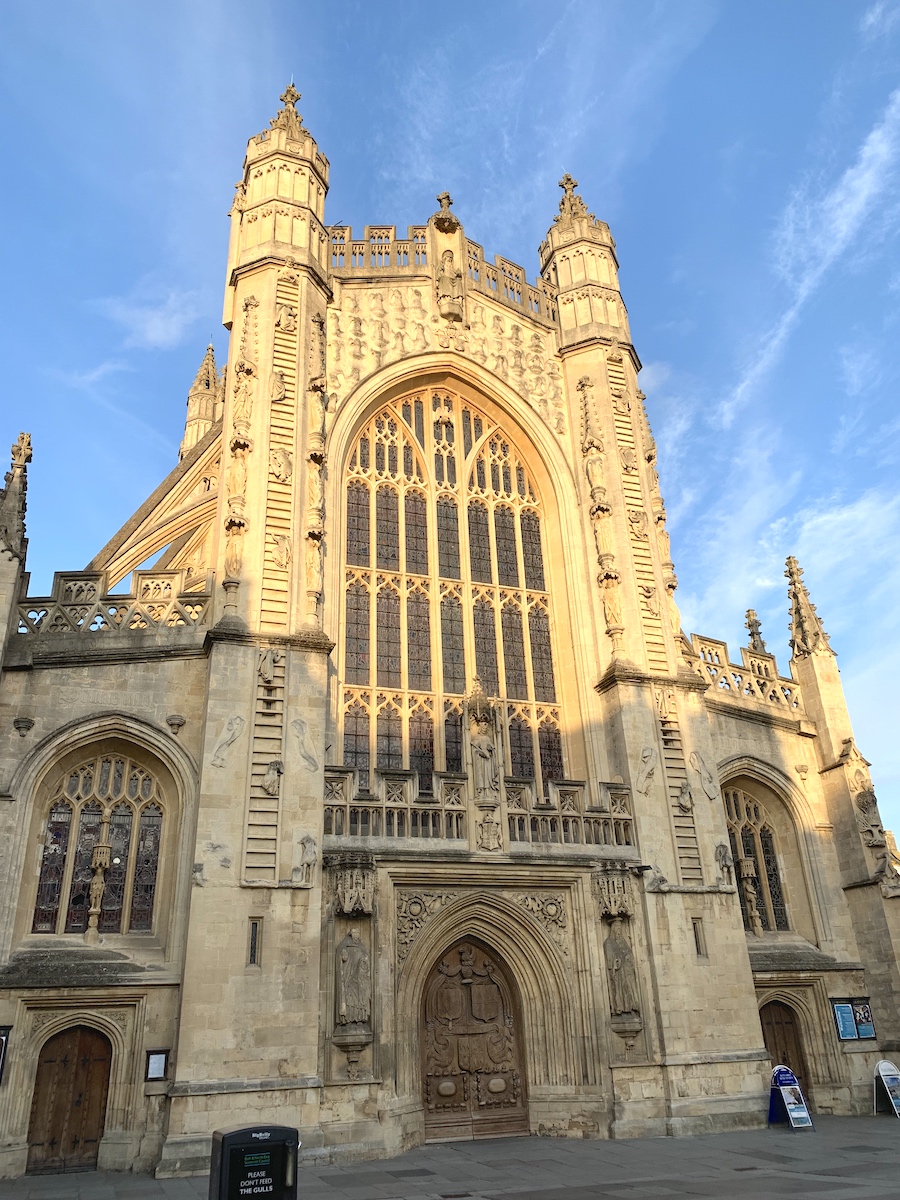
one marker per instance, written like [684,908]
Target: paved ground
[844,1159]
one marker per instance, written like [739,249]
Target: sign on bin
[258,1161]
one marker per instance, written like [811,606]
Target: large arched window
[750,831]
[113,802]
[444,580]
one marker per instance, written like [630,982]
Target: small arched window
[754,852]
[104,823]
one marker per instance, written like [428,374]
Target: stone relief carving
[301,733]
[490,833]
[353,881]
[281,464]
[233,728]
[282,550]
[646,770]
[272,779]
[286,318]
[550,911]
[414,909]
[707,780]
[304,864]
[621,971]
[637,523]
[684,801]
[268,657]
[613,890]
[650,597]
[354,981]
[277,387]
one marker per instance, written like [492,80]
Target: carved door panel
[69,1106]
[471,1049]
[782,1038]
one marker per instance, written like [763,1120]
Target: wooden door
[471,1049]
[69,1105]
[781,1034]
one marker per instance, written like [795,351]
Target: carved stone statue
[286,319]
[449,289]
[724,862]
[315,576]
[685,800]
[271,783]
[354,981]
[277,389]
[621,971]
[484,762]
[612,603]
[645,770]
[304,861]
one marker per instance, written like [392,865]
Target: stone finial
[202,403]
[444,219]
[12,500]
[288,118]
[571,206]
[754,625]
[808,635]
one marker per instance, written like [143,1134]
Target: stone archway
[472,1060]
[68,1109]
[783,1039]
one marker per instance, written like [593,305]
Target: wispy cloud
[93,383]
[153,320]
[816,229]
[879,19]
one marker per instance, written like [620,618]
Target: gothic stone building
[392,802]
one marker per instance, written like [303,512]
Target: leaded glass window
[115,803]
[449,501]
[752,839]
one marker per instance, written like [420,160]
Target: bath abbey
[366,782]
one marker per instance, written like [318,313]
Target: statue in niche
[724,862]
[354,981]
[304,862]
[277,389]
[286,319]
[484,762]
[237,472]
[234,551]
[315,577]
[621,971]
[612,603]
[449,289]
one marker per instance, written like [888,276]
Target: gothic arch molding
[803,819]
[811,1009]
[543,981]
[81,734]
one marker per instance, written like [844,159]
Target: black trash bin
[256,1161]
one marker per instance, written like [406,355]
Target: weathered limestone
[394,803]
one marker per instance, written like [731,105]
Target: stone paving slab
[843,1159]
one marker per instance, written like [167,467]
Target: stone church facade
[391,801]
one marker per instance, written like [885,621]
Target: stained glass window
[521,748]
[453,740]
[146,869]
[357,634]
[418,626]
[486,647]
[53,864]
[358,542]
[76,825]
[478,498]
[389,752]
[388,622]
[421,749]
[751,837]
[513,652]
[507,555]
[479,543]
[531,551]
[416,534]
[448,539]
[550,746]
[356,741]
[452,646]
[120,822]
[541,656]
[387,529]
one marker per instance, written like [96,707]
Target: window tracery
[114,801]
[753,841]
[453,586]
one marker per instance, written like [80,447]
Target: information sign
[787,1102]
[853,1018]
[260,1161]
[887,1088]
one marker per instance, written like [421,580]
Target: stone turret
[204,403]
[13,542]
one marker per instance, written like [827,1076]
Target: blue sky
[746,155]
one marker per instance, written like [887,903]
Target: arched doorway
[472,1064]
[781,1034]
[69,1105]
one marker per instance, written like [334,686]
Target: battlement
[80,604]
[755,679]
[379,251]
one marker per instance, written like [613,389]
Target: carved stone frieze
[613,890]
[550,910]
[414,910]
[352,875]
